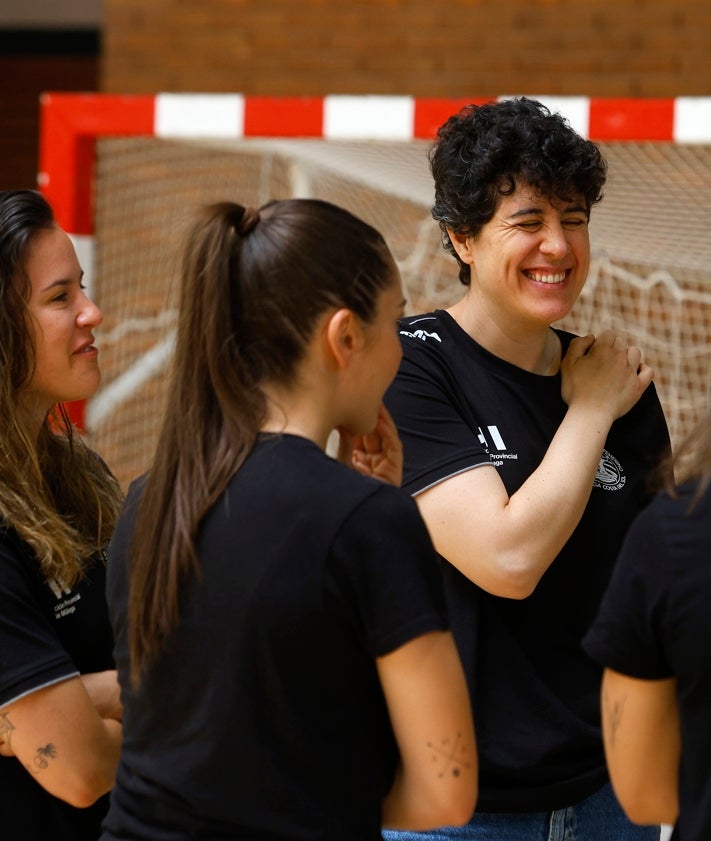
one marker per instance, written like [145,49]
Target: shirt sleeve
[31,654]
[626,634]
[386,573]
[424,401]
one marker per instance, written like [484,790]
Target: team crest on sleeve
[423,335]
[609,474]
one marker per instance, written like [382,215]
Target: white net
[650,276]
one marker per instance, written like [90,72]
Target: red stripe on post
[631,119]
[268,116]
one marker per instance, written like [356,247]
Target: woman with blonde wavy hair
[59,708]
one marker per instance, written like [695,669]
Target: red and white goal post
[73,125]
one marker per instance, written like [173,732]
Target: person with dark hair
[60,712]
[527,450]
[283,647]
[653,636]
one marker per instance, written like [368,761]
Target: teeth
[547,278]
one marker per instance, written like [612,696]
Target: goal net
[650,276]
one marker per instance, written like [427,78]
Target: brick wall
[638,48]
[33,61]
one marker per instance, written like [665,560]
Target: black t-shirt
[48,633]
[264,717]
[535,693]
[655,623]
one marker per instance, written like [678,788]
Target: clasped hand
[378,453]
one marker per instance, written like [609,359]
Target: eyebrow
[528,211]
[63,281]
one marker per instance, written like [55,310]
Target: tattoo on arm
[449,756]
[40,759]
[44,753]
[613,716]
[6,728]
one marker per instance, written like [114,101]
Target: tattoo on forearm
[613,717]
[449,756]
[6,728]
[40,759]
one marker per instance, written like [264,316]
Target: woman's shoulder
[389,505]
[684,503]
[428,332]
[313,469]
[433,344]
[17,560]
[10,540]
[423,326]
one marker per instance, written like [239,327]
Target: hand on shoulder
[604,372]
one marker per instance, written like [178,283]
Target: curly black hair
[482,152]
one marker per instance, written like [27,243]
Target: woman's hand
[377,454]
[604,373]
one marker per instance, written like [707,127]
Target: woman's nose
[89,315]
[555,242]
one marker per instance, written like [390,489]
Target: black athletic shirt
[48,633]
[264,718]
[655,623]
[535,693]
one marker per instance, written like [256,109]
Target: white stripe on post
[576,110]
[368,117]
[692,119]
[199,115]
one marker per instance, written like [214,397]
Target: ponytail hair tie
[249,219]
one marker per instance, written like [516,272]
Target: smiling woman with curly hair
[527,450]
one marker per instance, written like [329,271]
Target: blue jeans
[598,818]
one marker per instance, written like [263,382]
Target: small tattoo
[613,717]
[449,758]
[49,751]
[6,728]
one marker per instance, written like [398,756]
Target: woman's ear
[462,245]
[344,336]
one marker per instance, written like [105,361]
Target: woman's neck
[535,348]
[33,418]
[300,413]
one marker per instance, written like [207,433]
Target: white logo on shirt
[496,438]
[609,474]
[421,334]
[66,606]
[58,587]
